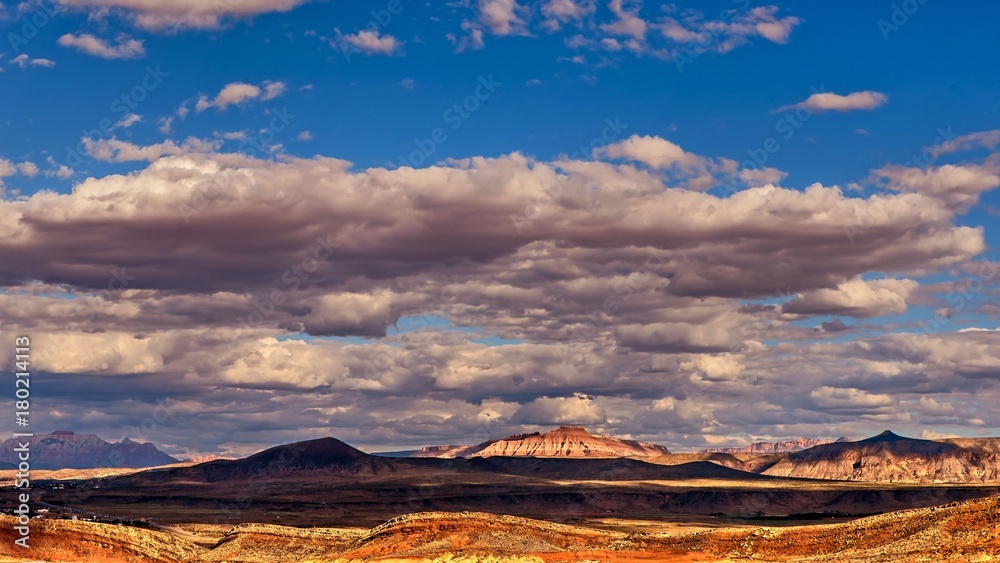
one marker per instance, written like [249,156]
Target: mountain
[769,448]
[66,450]
[323,454]
[566,441]
[889,457]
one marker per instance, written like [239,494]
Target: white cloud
[114,150]
[237,93]
[472,41]
[27,168]
[273,89]
[128,121]
[23,61]
[127,48]
[716,367]
[369,42]
[546,411]
[957,185]
[628,23]
[981,139]
[653,151]
[57,170]
[305,136]
[167,15]
[501,16]
[696,34]
[558,12]
[828,101]
[855,298]
[849,399]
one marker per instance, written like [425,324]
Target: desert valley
[562,495]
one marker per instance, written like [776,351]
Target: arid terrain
[958,532]
[323,500]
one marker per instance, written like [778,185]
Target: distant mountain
[889,457]
[768,448]
[65,450]
[566,441]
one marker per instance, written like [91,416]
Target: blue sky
[269,92]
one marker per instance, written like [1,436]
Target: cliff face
[891,458]
[566,441]
[768,448]
[66,450]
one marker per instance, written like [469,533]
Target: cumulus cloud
[126,47]
[501,16]
[559,12]
[855,298]
[167,15]
[627,22]
[829,101]
[850,399]
[419,305]
[548,411]
[956,185]
[652,151]
[369,42]
[238,93]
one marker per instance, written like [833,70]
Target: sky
[227,225]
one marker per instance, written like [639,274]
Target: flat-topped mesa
[565,441]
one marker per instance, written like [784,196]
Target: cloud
[472,41]
[23,61]
[501,16]
[372,308]
[549,411]
[850,400]
[128,121]
[238,93]
[127,48]
[627,22]
[828,101]
[9,168]
[694,34]
[559,12]
[855,298]
[956,185]
[113,150]
[981,139]
[170,15]
[305,136]
[652,151]
[369,42]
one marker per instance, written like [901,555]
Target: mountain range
[63,449]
